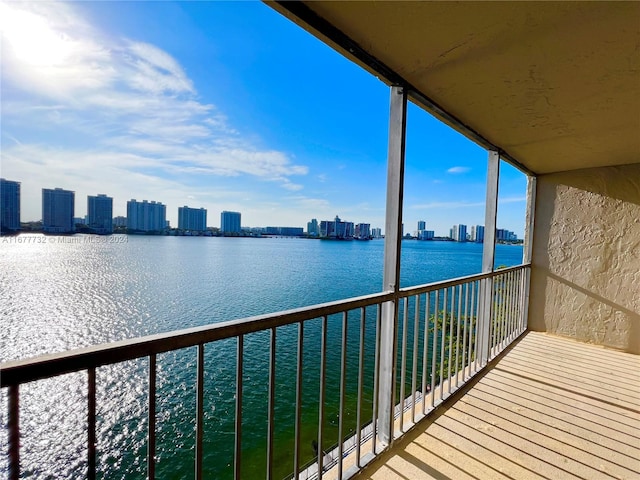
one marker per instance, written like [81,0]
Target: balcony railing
[445,333]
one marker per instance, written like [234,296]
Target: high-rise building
[459,233]
[230,222]
[57,210]
[194,219]
[477,234]
[146,216]
[423,233]
[100,213]
[376,232]
[363,231]
[119,221]
[9,205]
[504,235]
[313,228]
[426,235]
[462,233]
[336,229]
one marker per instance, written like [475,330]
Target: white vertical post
[529,219]
[391,275]
[527,251]
[488,254]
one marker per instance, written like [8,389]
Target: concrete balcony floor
[549,408]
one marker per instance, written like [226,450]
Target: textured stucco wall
[585,279]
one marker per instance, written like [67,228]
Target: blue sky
[222,105]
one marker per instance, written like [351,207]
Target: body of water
[60,293]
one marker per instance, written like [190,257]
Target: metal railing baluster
[524,301]
[414,370]
[443,342]
[296,451]
[376,367]
[473,329]
[323,368]
[91,423]
[523,296]
[237,454]
[457,368]
[425,351]
[450,353]
[479,308]
[360,380]
[516,302]
[14,432]
[343,387]
[199,411]
[434,352]
[500,312]
[505,313]
[494,315]
[493,312]
[509,314]
[512,296]
[151,415]
[403,361]
[467,286]
[272,401]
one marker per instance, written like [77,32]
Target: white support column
[391,275]
[527,251]
[530,217]
[488,254]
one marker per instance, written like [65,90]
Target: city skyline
[101,218]
[91,102]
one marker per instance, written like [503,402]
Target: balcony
[467,378]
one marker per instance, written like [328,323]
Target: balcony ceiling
[554,85]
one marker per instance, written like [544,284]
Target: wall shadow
[575,211]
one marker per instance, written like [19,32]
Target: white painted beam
[391,274]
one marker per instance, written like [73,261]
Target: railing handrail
[17,372]
[431,287]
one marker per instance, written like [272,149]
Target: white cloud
[451,205]
[512,199]
[113,103]
[457,170]
[426,206]
[307,200]
[294,187]
[156,71]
